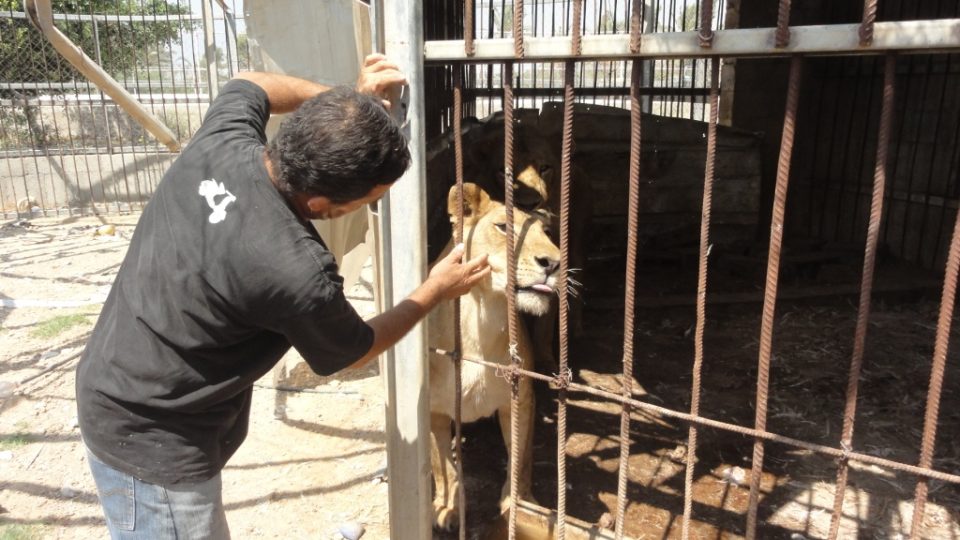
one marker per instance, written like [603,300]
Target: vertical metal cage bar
[927,189]
[910,94]
[517,28]
[911,165]
[636,26]
[852,217]
[35,137]
[468,45]
[629,291]
[564,375]
[706,25]
[457,335]
[936,377]
[119,147]
[866,26]
[708,178]
[508,131]
[770,292]
[566,152]
[783,24]
[866,286]
[575,46]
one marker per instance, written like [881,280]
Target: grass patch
[14,440]
[21,532]
[19,437]
[57,325]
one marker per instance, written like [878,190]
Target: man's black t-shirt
[220,279]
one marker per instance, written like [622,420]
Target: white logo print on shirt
[210,189]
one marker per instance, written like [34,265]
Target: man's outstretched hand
[452,277]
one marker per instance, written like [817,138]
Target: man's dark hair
[339,144]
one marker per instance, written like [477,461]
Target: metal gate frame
[409,464]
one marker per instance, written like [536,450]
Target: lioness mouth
[542,288]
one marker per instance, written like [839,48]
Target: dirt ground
[298,478]
[813,338]
[323,465]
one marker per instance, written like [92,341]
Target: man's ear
[318,204]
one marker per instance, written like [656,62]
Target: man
[223,275]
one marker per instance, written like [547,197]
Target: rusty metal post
[783,25]
[701,291]
[705,35]
[564,377]
[468,45]
[516,362]
[457,334]
[935,389]
[869,19]
[866,286]
[629,289]
[770,292]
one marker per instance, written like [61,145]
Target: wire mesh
[65,147]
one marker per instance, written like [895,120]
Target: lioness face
[538,259]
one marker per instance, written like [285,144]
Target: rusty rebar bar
[869,19]
[518,28]
[866,287]
[708,422]
[706,24]
[629,292]
[458,335]
[636,26]
[935,388]
[770,292]
[783,25]
[469,47]
[701,291]
[511,294]
[566,152]
[575,45]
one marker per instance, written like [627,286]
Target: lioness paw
[445,518]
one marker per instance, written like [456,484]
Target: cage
[766,257]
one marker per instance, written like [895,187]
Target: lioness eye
[545,169]
[502,227]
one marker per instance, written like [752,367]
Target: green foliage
[13,128]
[21,532]
[55,326]
[124,43]
[15,440]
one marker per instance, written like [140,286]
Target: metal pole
[406,369]
[210,49]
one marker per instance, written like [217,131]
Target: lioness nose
[549,265]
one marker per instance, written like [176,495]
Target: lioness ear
[475,202]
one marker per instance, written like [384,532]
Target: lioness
[483,326]
[536,188]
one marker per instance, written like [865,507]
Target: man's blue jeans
[136,510]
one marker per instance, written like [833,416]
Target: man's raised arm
[285,93]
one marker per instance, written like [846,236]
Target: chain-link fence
[65,147]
